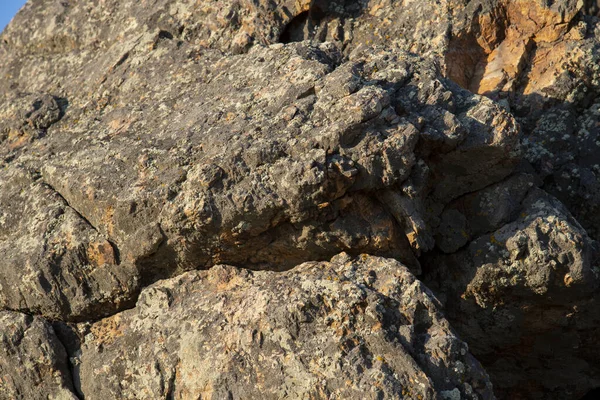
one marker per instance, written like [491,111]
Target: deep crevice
[293,30]
[71,344]
[165,35]
[313,23]
[592,7]
[121,60]
[593,394]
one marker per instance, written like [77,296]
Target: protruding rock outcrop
[523,291]
[279,171]
[33,362]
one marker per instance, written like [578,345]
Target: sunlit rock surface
[158,158]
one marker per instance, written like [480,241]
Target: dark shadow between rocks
[63,104]
[540,344]
[295,29]
[593,394]
[592,7]
[466,61]
[71,341]
[313,23]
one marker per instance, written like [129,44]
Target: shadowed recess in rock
[593,394]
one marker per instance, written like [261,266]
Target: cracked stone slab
[353,327]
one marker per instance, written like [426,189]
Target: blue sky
[8,9]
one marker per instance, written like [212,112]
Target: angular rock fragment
[52,262]
[349,328]
[33,362]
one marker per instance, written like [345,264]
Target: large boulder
[268,159]
[141,140]
[349,328]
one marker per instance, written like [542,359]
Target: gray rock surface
[349,328]
[143,140]
[277,171]
[33,362]
[53,262]
[523,294]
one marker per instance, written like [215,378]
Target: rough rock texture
[592,7]
[522,292]
[143,139]
[53,261]
[33,362]
[364,328]
[277,171]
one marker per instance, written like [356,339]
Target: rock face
[525,287]
[342,329]
[33,362]
[53,261]
[230,190]
[175,176]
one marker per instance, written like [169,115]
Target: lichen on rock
[179,178]
[363,327]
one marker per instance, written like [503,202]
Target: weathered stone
[52,262]
[349,328]
[33,362]
[140,140]
[524,293]
[277,171]
[563,148]
[481,212]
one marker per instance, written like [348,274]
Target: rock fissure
[70,352]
